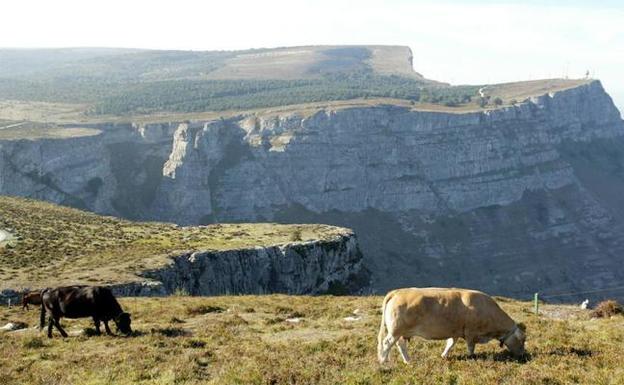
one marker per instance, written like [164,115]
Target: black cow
[81,302]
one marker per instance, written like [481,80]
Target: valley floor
[280,339]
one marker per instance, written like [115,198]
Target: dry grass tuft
[33,343]
[204,309]
[607,309]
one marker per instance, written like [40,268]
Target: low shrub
[607,309]
[33,343]
[170,332]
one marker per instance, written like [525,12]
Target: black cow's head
[123,323]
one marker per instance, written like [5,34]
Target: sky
[461,42]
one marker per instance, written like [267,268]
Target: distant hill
[152,65]
[126,81]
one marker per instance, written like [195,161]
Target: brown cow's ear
[522,327]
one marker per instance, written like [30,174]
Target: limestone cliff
[323,266]
[314,267]
[512,200]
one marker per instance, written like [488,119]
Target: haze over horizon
[468,42]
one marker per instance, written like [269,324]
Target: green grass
[56,244]
[182,340]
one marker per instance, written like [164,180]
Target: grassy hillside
[54,244]
[16,130]
[248,340]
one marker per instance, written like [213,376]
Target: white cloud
[460,42]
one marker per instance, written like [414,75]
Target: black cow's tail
[43,311]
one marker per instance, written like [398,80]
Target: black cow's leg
[108,331]
[50,324]
[470,344]
[42,316]
[97,326]
[58,326]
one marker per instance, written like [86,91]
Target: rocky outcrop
[513,200]
[314,267]
[332,265]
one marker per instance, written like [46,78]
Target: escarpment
[44,245]
[512,200]
[321,266]
[313,267]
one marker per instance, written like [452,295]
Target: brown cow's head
[515,342]
[123,323]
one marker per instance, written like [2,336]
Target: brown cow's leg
[402,346]
[108,331]
[450,342]
[388,342]
[58,326]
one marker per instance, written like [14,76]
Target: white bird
[585,304]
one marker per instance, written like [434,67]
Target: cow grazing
[450,314]
[80,302]
[32,298]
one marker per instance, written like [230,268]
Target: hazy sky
[476,41]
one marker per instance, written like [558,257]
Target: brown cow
[33,298]
[450,314]
[80,302]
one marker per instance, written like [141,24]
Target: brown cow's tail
[381,335]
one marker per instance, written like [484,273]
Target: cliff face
[328,266]
[314,267]
[115,172]
[512,201]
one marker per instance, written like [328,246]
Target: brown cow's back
[32,298]
[438,313]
